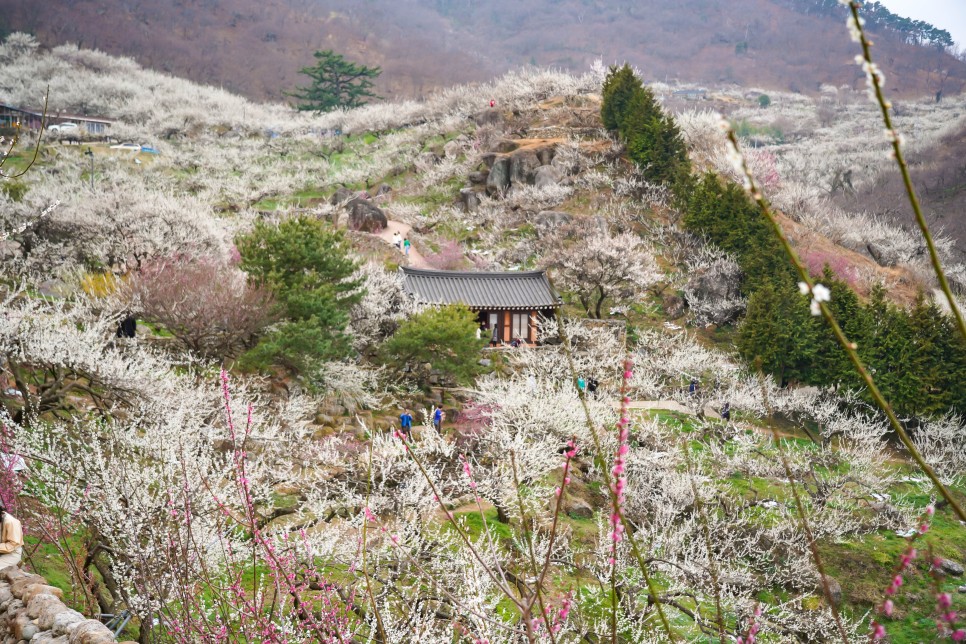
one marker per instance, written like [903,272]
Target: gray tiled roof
[517,290]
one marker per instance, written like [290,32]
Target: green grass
[472,524]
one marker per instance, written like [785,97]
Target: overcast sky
[945,14]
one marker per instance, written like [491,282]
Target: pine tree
[620,88]
[890,351]
[778,332]
[831,365]
[445,337]
[723,213]
[336,83]
[307,266]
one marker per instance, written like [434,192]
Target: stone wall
[31,610]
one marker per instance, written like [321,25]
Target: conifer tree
[777,331]
[336,83]
[306,264]
[620,88]
[831,365]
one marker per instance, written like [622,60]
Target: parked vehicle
[147,149]
[126,146]
[64,128]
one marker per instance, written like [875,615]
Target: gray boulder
[673,306]
[49,638]
[91,631]
[834,589]
[578,508]
[367,217]
[477,177]
[546,175]
[523,167]
[550,220]
[469,201]
[883,255]
[498,181]
[546,155]
[60,622]
[488,117]
[950,567]
[341,196]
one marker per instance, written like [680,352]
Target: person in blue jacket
[406,422]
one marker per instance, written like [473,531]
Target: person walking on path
[438,417]
[397,240]
[592,387]
[406,423]
[11,539]
[406,246]
[581,384]
[726,412]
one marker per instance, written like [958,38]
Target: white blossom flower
[855,28]
[821,293]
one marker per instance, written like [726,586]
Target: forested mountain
[256,48]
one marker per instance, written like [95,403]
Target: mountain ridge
[257,48]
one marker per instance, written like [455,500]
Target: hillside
[222,492]
[256,48]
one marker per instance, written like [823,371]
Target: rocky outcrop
[367,217]
[31,610]
[950,567]
[547,175]
[488,117]
[469,200]
[513,164]
[498,181]
[548,221]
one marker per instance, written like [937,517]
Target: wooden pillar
[507,326]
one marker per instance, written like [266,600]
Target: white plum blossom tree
[596,266]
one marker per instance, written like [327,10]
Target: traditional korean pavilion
[508,304]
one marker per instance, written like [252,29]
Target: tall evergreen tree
[831,365]
[336,83]
[620,88]
[307,266]
[890,350]
[722,212]
[778,331]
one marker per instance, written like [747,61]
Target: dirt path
[415,259]
[671,405]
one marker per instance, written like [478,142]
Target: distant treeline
[915,355]
[879,18]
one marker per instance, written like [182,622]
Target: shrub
[444,337]
[449,258]
[206,305]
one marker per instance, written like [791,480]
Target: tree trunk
[600,301]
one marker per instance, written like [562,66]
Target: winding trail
[415,259]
